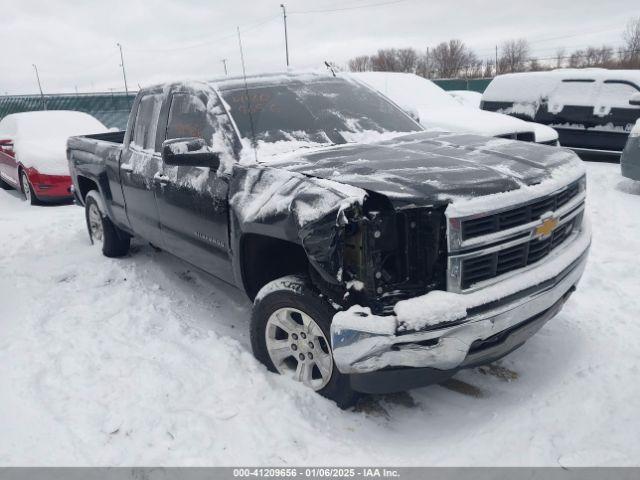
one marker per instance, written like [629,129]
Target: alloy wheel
[298,348]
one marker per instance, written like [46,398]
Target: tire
[293,299]
[27,189]
[115,242]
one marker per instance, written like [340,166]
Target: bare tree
[630,54]
[386,60]
[489,68]
[407,59]
[593,57]
[452,58]
[361,63]
[425,67]
[560,54]
[514,56]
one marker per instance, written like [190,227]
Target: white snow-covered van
[588,107]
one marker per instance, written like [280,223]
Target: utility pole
[496,60]
[286,38]
[224,62]
[44,104]
[124,73]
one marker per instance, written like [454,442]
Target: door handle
[126,168]
[161,178]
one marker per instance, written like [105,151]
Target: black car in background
[590,108]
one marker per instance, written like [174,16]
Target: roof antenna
[254,143]
[330,67]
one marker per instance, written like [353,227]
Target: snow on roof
[53,123]
[229,83]
[531,86]
[407,89]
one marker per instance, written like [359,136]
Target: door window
[146,123]
[615,94]
[189,117]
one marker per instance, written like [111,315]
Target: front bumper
[489,330]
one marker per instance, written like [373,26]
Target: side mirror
[412,112]
[189,152]
[635,100]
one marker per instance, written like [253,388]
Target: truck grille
[476,227]
[491,265]
[484,247]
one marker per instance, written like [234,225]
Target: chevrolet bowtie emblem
[546,229]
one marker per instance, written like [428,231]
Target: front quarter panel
[292,207]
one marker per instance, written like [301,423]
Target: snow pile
[40,138]
[467,98]
[144,361]
[362,320]
[429,310]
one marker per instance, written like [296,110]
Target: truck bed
[94,149]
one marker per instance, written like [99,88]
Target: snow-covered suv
[379,256]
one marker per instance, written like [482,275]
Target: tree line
[454,59]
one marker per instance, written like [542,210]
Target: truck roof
[263,79]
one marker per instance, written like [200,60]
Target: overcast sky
[73,42]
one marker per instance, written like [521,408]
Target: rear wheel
[102,231]
[27,189]
[290,335]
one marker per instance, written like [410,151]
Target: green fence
[475,84]
[112,109]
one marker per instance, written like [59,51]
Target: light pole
[286,38]
[44,104]
[124,73]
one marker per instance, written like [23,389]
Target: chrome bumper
[446,348]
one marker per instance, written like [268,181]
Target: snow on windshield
[326,111]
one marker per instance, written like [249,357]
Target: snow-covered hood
[48,155]
[472,120]
[432,167]
[543,132]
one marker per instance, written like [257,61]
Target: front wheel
[114,242]
[27,189]
[290,335]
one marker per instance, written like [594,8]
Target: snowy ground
[143,361]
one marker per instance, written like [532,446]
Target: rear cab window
[146,122]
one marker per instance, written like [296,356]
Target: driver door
[193,204]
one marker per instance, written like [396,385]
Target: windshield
[325,111]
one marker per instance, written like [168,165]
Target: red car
[33,157]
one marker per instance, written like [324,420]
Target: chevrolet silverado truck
[379,256]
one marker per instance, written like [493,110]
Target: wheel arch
[85,185]
[264,259]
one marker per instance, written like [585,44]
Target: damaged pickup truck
[379,256]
